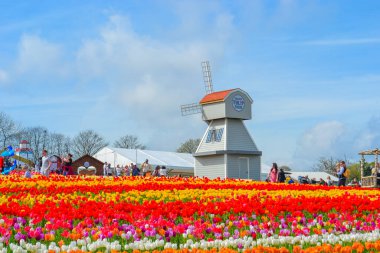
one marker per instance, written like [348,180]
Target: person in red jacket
[1,163]
[68,165]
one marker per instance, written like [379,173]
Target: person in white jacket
[46,164]
[163,171]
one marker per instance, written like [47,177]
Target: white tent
[172,160]
[265,169]
[180,162]
[312,174]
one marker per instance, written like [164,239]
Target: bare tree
[67,145]
[285,168]
[56,142]
[87,142]
[17,138]
[130,142]
[8,129]
[189,146]
[327,165]
[37,138]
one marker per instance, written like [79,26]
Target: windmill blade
[189,109]
[207,77]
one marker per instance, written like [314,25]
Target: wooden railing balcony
[370,181]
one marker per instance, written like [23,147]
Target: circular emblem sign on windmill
[226,150]
[238,103]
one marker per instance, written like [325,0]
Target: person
[337,167]
[163,171]
[28,173]
[39,164]
[8,162]
[273,174]
[281,176]
[46,163]
[126,170]
[135,170]
[304,179]
[105,166]
[340,173]
[118,170]
[1,163]
[355,182]
[146,167]
[109,170]
[156,172]
[375,171]
[289,180]
[329,181]
[322,182]
[67,168]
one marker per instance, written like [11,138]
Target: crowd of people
[276,175]
[279,176]
[307,180]
[45,166]
[134,170]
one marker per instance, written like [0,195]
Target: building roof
[370,152]
[172,160]
[87,157]
[24,150]
[24,142]
[214,97]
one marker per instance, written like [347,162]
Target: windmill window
[210,136]
[219,134]
[214,135]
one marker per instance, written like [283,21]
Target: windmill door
[243,167]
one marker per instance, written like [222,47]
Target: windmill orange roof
[214,97]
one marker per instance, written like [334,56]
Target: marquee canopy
[122,156]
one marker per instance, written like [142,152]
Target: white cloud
[365,140]
[369,137]
[38,57]
[309,107]
[147,79]
[335,139]
[135,83]
[322,137]
[3,76]
[325,139]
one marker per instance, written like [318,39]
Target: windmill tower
[226,150]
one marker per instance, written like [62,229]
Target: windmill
[226,149]
[195,108]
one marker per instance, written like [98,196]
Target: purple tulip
[18,236]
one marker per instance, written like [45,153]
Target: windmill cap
[215,96]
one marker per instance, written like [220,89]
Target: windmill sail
[189,109]
[195,108]
[207,77]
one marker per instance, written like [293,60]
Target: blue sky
[125,67]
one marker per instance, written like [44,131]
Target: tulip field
[135,214]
